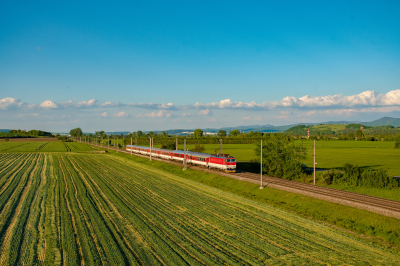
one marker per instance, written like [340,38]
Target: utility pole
[261,185]
[131,146]
[220,146]
[135,141]
[184,154]
[176,147]
[123,143]
[314,161]
[117,144]
[150,149]
[108,143]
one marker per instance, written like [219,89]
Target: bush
[354,176]
[397,145]
[282,158]
[6,139]
[169,146]
[198,148]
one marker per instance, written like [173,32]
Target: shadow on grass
[248,167]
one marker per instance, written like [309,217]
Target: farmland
[43,146]
[103,209]
[330,154]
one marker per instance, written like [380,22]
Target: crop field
[77,209]
[43,146]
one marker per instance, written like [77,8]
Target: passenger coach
[222,162]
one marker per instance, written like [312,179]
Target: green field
[330,154]
[102,209]
[366,154]
[43,146]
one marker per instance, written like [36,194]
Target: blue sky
[98,65]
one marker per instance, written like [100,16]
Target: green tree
[397,145]
[76,132]
[282,158]
[222,133]
[359,134]
[198,133]
[169,146]
[198,148]
[139,133]
[350,136]
[234,133]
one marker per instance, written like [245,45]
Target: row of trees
[33,132]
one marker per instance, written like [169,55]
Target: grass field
[366,154]
[103,209]
[43,146]
[330,154]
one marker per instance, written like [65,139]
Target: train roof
[190,153]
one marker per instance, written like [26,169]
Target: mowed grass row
[43,146]
[101,209]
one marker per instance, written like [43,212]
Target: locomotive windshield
[230,160]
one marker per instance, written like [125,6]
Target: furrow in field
[171,216]
[92,251]
[138,202]
[11,240]
[186,213]
[67,235]
[154,224]
[41,243]
[6,160]
[67,198]
[31,233]
[9,176]
[154,230]
[216,228]
[10,196]
[106,208]
[52,253]
[277,216]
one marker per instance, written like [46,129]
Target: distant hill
[4,130]
[384,121]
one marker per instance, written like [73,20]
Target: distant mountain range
[384,121]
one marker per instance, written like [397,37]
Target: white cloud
[104,114]
[227,103]
[212,120]
[110,104]
[169,106]
[10,103]
[121,114]
[186,114]
[366,98]
[205,112]
[161,113]
[89,104]
[48,104]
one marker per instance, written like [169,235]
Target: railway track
[370,203]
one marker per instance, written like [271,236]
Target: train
[222,162]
